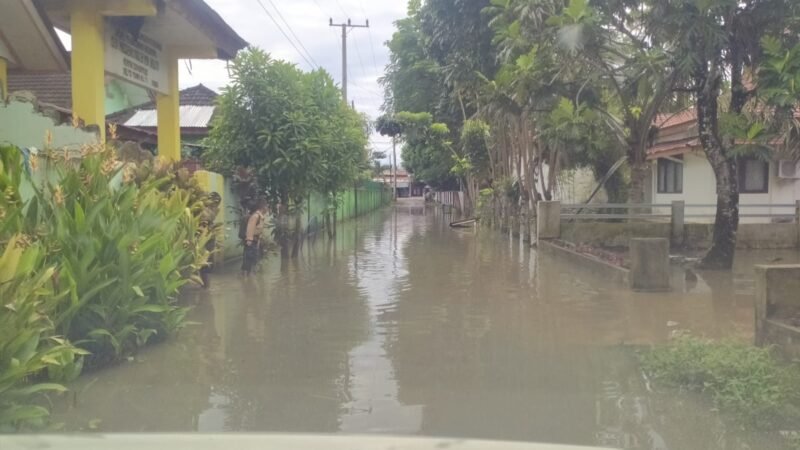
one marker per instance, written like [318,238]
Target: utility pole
[345,26]
[394,165]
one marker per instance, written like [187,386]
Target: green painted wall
[121,95]
[23,126]
[371,196]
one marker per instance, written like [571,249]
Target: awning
[673,148]
[28,40]
[190,26]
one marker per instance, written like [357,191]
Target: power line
[340,7]
[360,61]
[324,11]
[366,89]
[293,33]
[285,35]
[371,42]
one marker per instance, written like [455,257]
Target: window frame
[662,164]
[742,176]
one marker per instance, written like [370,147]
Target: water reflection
[405,326]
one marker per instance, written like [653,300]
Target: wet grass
[747,383]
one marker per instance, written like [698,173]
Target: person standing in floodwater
[252,236]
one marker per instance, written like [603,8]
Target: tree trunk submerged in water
[726,223]
[639,172]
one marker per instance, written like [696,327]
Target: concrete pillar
[3,78]
[776,296]
[797,220]
[169,118]
[677,223]
[88,64]
[797,212]
[650,271]
[548,220]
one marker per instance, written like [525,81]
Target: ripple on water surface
[404,326]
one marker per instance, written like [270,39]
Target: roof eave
[228,42]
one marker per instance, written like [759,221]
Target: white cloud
[308,19]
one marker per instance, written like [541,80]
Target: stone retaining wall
[777,306]
[587,262]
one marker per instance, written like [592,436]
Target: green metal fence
[355,202]
[365,198]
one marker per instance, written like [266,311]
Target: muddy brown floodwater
[405,326]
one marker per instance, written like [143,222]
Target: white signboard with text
[136,59]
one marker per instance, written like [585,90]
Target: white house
[680,171]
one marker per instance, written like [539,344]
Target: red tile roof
[51,88]
[194,96]
[674,119]
[56,89]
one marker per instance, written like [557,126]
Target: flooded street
[405,326]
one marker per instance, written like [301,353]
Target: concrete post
[548,220]
[3,79]
[776,298]
[169,119]
[797,220]
[650,271]
[677,223]
[88,64]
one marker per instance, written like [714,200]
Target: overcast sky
[308,19]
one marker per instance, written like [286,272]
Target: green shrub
[743,380]
[121,250]
[28,347]
[89,271]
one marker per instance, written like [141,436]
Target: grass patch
[746,382]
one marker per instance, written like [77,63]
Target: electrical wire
[324,11]
[360,61]
[285,35]
[340,7]
[293,33]
[371,41]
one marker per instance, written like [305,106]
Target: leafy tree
[290,130]
[412,78]
[387,125]
[427,151]
[565,83]
[718,41]
[264,121]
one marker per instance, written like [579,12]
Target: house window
[753,176]
[670,176]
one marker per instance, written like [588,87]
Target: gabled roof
[198,96]
[194,96]
[51,88]
[677,134]
[674,119]
[197,105]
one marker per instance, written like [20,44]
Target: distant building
[406,186]
[197,105]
